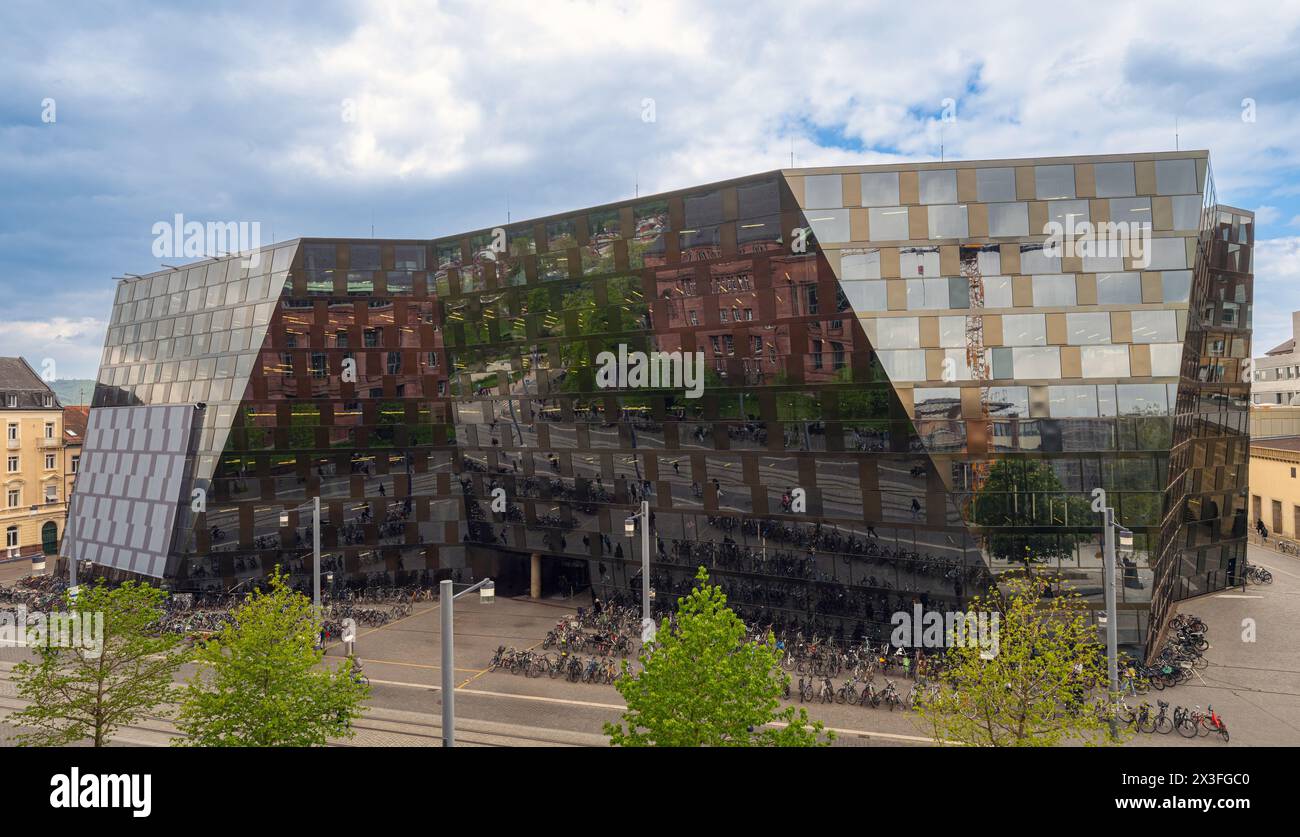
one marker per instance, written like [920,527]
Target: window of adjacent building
[904,364]
[1102,264]
[888,223]
[1072,401]
[1114,180]
[1024,330]
[866,296]
[1187,212]
[1154,326]
[1142,399]
[995,185]
[1009,402]
[952,332]
[997,292]
[948,221]
[49,430]
[1008,219]
[13,432]
[930,293]
[937,187]
[408,258]
[1166,359]
[823,191]
[1054,290]
[1003,362]
[49,462]
[1034,259]
[11,400]
[1037,362]
[76,462]
[51,493]
[830,224]
[364,257]
[13,498]
[1119,288]
[918,261]
[860,264]
[898,333]
[1068,214]
[880,189]
[13,464]
[11,540]
[1104,361]
[1054,182]
[1087,329]
[1176,177]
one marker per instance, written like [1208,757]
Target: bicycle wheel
[1265,577]
[1163,725]
[1187,728]
[1147,725]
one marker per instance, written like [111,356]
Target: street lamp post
[1125,537]
[487,595]
[629,529]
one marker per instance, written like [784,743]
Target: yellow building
[33,479]
[1275,485]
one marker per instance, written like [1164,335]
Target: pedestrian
[595,605]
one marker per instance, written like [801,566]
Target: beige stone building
[1275,485]
[33,480]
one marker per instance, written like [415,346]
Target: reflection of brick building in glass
[894,340]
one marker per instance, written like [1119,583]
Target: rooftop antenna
[507,207]
[636,187]
[941,142]
[1175,133]
[372,222]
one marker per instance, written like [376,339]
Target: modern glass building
[912,378]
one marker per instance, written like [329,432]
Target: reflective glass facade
[906,388]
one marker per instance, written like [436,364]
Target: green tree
[1025,493]
[1033,691]
[702,683]
[260,682]
[91,690]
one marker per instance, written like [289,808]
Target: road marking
[595,705]
[414,665]
[1236,596]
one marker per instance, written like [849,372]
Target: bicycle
[1211,722]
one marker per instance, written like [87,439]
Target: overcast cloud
[236,113]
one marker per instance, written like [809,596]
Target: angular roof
[74,424]
[1282,348]
[18,378]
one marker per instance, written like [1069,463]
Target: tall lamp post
[1113,532]
[629,529]
[486,595]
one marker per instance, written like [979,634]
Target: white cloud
[1277,291]
[68,348]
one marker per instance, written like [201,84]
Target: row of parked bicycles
[1190,723]
[571,666]
[1181,657]
[860,691]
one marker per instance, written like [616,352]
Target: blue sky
[236,114]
